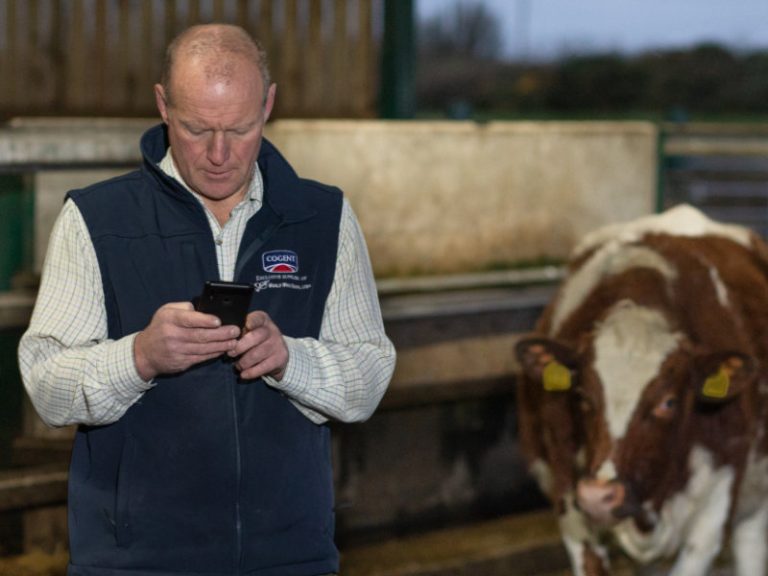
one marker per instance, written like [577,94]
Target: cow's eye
[666,407]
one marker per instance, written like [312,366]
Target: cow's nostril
[600,499]
[615,495]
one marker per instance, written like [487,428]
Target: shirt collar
[255,190]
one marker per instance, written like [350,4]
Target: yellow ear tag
[556,377]
[716,386]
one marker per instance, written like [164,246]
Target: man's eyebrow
[245,125]
[192,125]
[189,125]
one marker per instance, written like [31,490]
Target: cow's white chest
[691,523]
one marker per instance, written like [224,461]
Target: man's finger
[256,320]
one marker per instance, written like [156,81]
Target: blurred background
[462,58]
[682,60]
[476,139]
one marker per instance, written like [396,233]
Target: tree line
[460,72]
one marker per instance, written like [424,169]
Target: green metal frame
[398,61]
[17,209]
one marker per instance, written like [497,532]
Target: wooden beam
[340,55]
[76,56]
[363,88]
[316,77]
[218,11]
[101,71]
[11,65]
[289,60]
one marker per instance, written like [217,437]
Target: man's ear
[161,102]
[269,103]
[547,362]
[721,376]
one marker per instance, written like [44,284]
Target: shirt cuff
[121,367]
[298,371]
[297,379]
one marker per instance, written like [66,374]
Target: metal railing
[720,168]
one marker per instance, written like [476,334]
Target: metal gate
[720,168]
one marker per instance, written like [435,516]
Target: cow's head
[633,466]
[638,399]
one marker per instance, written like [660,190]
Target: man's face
[215,126]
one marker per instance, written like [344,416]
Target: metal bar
[546,274]
[714,128]
[401,297]
[27,487]
[715,146]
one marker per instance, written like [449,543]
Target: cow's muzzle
[608,502]
[601,500]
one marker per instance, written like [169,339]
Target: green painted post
[398,63]
[16,227]
[16,254]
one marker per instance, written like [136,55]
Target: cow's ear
[547,362]
[721,376]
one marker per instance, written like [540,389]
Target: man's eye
[193,130]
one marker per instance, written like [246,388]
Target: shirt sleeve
[344,373]
[72,371]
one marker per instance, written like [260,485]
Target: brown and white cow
[642,395]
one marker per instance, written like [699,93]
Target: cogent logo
[280,262]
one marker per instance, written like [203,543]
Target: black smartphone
[227,300]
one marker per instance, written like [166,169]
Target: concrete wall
[432,197]
[446,197]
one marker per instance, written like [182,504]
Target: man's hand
[261,350]
[179,337]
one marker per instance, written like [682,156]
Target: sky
[549,28]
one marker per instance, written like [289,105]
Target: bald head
[218,48]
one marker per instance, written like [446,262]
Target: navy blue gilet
[207,473]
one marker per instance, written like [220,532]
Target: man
[202,449]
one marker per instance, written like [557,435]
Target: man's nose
[218,148]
